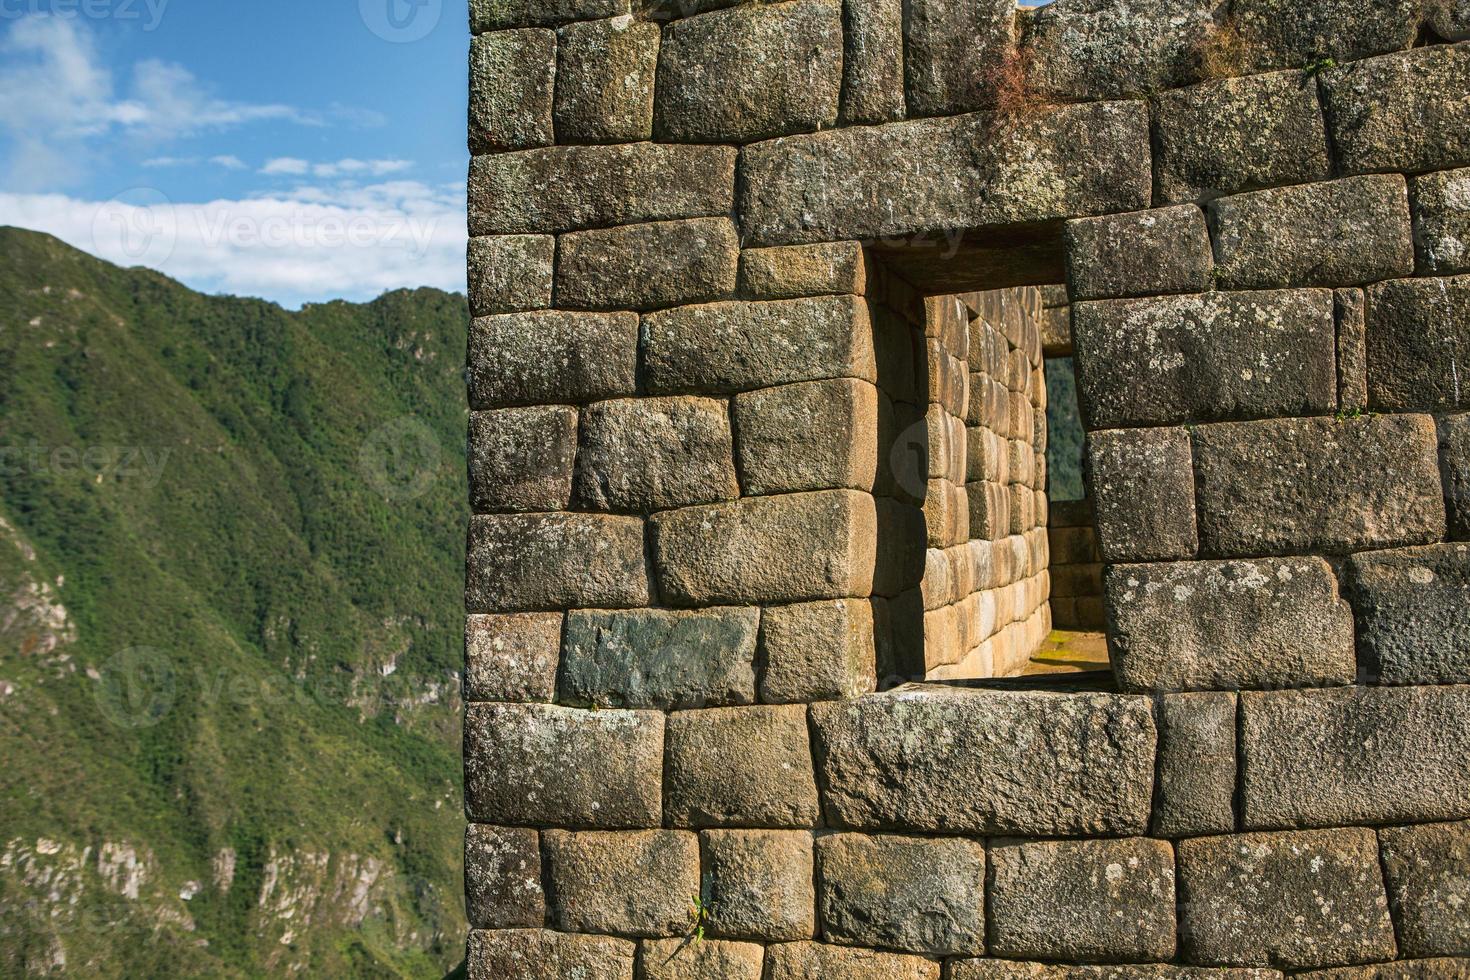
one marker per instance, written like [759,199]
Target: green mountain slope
[231,555]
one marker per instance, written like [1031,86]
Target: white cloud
[229,161]
[288,166]
[349,167]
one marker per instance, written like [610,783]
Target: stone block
[788,548]
[708,959]
[512,74]
[817,651]
[565,188]
[511,658]
[1205,357]
[644,267]
[1450,19]
[724,348]
[1228,624]
[604,81]
[1196,779]
[1015,970]
[1427,869]
[1352,349]
[539,954]
[1113,50]
[803,961]
[1334,233]
[1239,134]
[1408,112]
[1418,333]
[543,764]
[1082,901]
[1454,466]
[915,894]
[1329,486]
[1143,493]
[952,51]
[981,169]
[1295,900]
[759,884]
[520,459]
[658,658]
[1411,606]
[750,72]
[1284,35]
[748,766]
[949,760]
[510,273]
[494,15]
[872,62]
[816,435]
[1442,221]
[538,562]
[1354,755]
[502,874]
[648,454]
[630,883]
[794,271]
[551,356]
[1145,253]
[1435,969]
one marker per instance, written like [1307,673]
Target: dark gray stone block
[1428,872]
[512,74]
[550,356]
[1408,112]
[1454,467]
[741,767]
[1110,49]
[502,874]
[1418,335]
[1442,221]
[951,50]
[629,883]
[1143,494]
[648,454]
[1145,253]
[1196,781]
[520,459]
[494,15]
[1413,609]
[1284,34]
[872,63]
[644,267]
[604,81]
[510,273]
[537,562]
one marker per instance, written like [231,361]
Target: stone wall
[695,540]
[1076,567]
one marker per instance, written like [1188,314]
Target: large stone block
[1205,357]
[542,764]
[1454,466]
[551,356]
[1407,112]
[733,767]
[949,760]
[793,271]
[759,884]
[817,435]
[1442,221]
[502,876]
[1228,624]
[1335,233]
[604,81]
[1303,899]
[1087,901]
[1428,872]
[1450,19]
[658,658]
[1166,250]
[953,52]
[643,267]
[512,74]
[1196,781]
[630,883]
[510,273]
[494,15]
[1015,970]
[1354,755]
[723,348]
[916,894]
[1418,333]
[647,454]
[539,954]
[872,62]
[537,562]
[817,651]
[803,961]
[1107,49]
[520,459]
[750,73]
[1330,486]
[707,959]
[1239,134]
[1435,969]
[564,188]
[1285,35]
[787,548]
[1143,494]
[982,169]
[511,658]
[1413,626]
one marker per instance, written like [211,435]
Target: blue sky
[299,150]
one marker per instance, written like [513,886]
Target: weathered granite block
[787,548]
[872,62]
[1450,19]
[511,658]
[630,883]
[659,658]
[564,188]
[1435,969]
[793,271]
[1228,624]
[512,74]
[1014,970]
[1082,901]
[723,348]
[604,81]
[1285,35]
[536,562]
[643,267]
[1413,609]
[1107,49]
[816,435]
[1354,755]
[1166,250]
[951,760]
[510,273]
[520,459]
[708,959]
[1329,486]
[1205,357]
[1418,333]
[503,878]
[915,894]
[539,954]
[1350,310]
[759,884]
[1442,221]
[1239,134]
[551,356]
[750,73]
[817,651]
[1408,112]
[1428,872]
[1335,233]
[1454,467]
[1143,494]
[1196,781]
[953,50]
[1303,899]
[803,961]
[647,454]
[543,764]
[748,766]
[493,15]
